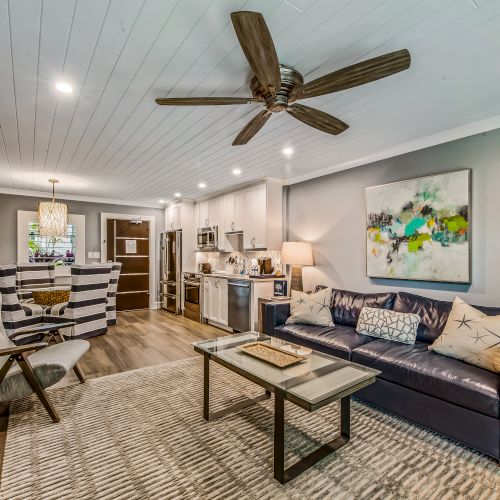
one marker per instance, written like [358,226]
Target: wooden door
[128,243]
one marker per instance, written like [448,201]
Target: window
[33,248]
[61,251]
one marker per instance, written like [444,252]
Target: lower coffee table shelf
[317,381]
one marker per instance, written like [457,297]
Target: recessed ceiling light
[236,171]
[64,87]
[161,201]
[202,185]
[177,195]
[288,151]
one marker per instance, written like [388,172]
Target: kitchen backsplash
[219,260]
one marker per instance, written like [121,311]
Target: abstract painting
[419,229]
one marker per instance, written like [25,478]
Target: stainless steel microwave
[207,239]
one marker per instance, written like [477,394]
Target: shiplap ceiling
[108,139]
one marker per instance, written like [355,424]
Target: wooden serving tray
[272,355]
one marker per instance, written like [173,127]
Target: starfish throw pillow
[471,336]
[311,309]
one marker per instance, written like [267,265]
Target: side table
[262,304]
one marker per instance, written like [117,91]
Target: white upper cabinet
[256,211]
[203,214]
[216,212]
[173,217]
[210,213]
[255,220]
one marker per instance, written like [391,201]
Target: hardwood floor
[139,339]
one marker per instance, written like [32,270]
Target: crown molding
[407,147]
[75,197]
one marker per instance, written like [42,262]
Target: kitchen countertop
[224,275]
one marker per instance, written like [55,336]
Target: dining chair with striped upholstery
[113,287]
[32,276]
[87,302]
[17,315]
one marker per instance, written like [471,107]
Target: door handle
[233,226]
[206,221]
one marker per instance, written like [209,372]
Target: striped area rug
[140,435]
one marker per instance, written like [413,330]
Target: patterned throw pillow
[471,336]
[387,324]
[311,309]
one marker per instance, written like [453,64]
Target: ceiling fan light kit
[277,87]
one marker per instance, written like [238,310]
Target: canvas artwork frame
[420,229]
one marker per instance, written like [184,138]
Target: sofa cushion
[433,313]
[339,340]
[417,368]
[346,306]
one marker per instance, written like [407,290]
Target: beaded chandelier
[52,216]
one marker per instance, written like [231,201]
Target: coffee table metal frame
[282,474]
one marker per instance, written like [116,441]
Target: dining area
[33,296]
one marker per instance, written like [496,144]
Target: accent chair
[23,374]
[113,287]
[32,276]
[87,302]
[17,315]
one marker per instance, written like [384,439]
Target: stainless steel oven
[207,238]
[192,284]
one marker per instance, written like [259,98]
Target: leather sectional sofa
[445,395]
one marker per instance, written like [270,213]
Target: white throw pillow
[311,309]
[471,336]
[387,324]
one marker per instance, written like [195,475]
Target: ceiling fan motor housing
[290,80]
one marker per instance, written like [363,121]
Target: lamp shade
[297,253]
[52,219]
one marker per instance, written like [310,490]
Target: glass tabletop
[318,379]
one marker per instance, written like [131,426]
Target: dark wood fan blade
[317,119]
[357,74]
[258,47]
[252,127]
[203,101]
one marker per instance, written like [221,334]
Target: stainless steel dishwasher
[239,304]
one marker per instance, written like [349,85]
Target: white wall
[330,212]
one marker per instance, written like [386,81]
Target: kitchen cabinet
[255,224]
[210,213]
[234,210]
[256,211]
[173,217]
[215,303]
[203,214]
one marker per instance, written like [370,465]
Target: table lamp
[297,254]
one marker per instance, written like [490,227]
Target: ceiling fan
[277,87]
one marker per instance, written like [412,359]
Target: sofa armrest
[275,314]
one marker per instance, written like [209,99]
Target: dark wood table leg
[206,387]
[240,405]
[284,475]
[279,436]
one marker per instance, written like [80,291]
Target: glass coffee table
[311,384]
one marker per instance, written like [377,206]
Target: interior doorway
[130,240]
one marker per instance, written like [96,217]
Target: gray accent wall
[330,212]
